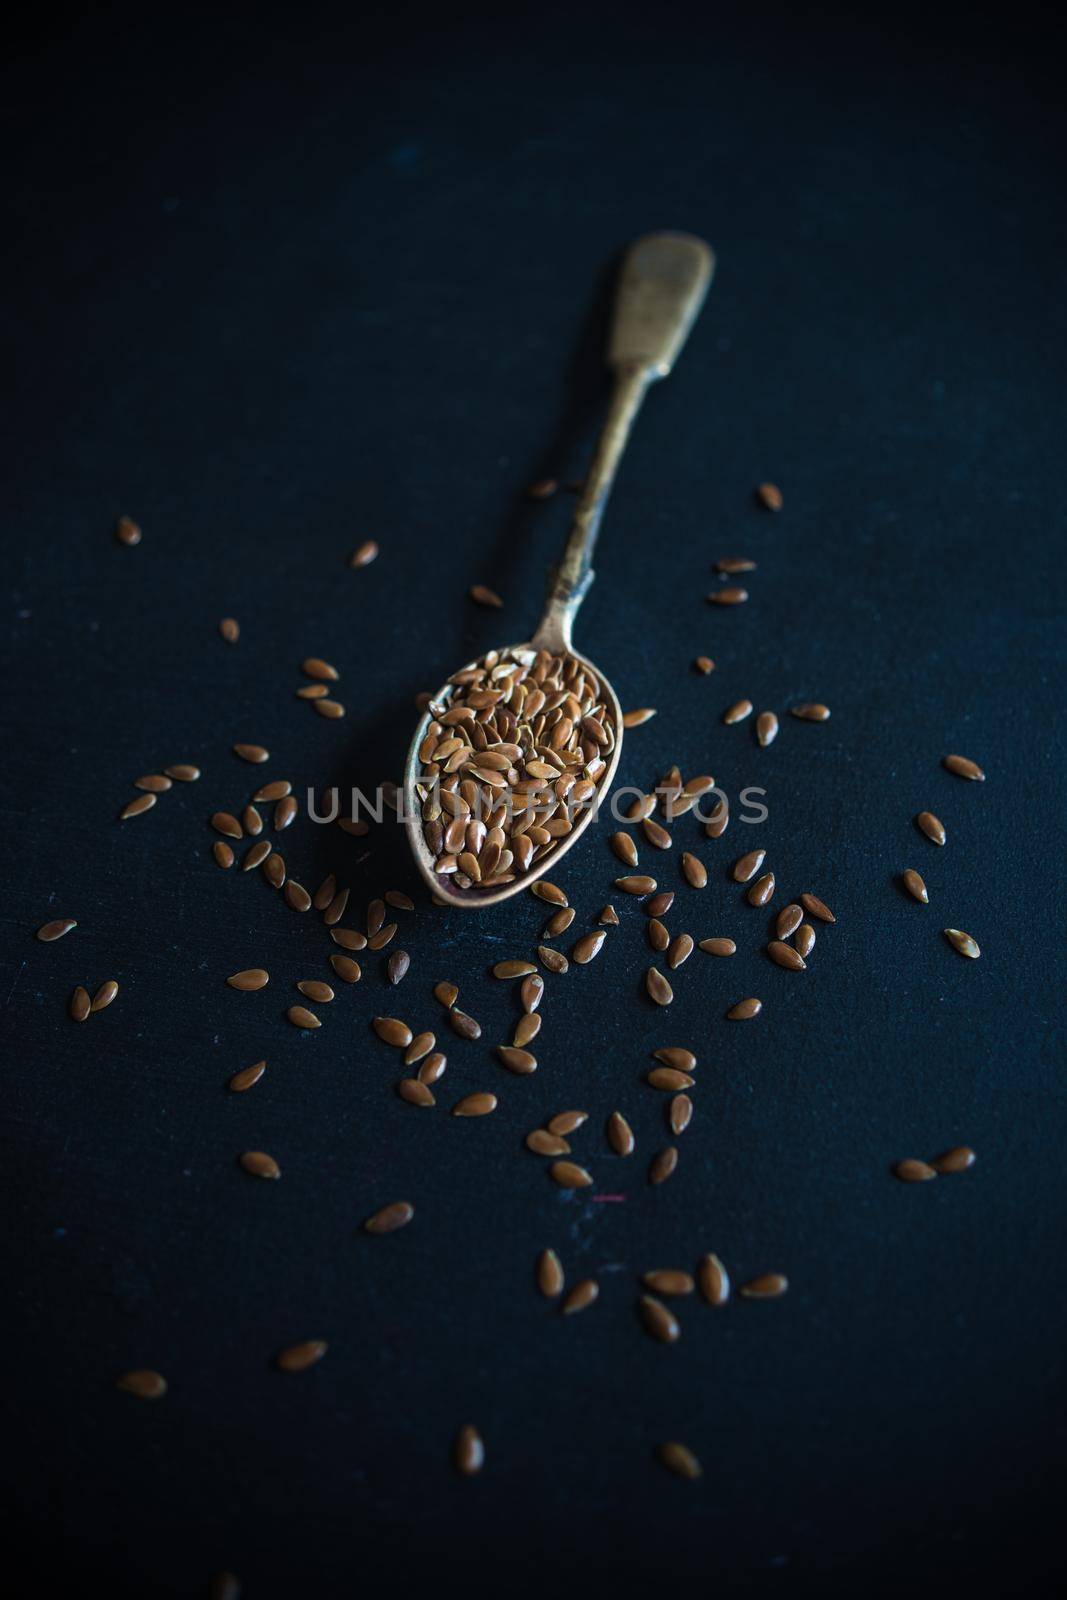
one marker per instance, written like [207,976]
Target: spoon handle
[662,285]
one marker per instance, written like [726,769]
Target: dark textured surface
[277,290]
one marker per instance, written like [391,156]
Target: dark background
[279,287]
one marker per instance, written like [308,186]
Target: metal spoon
[662,285]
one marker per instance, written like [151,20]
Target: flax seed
[679,1114]
[469,1451]
[251,821]
[104,995]
[569,1175]
[912,1171]
[543,1143]
[255,855]
[222,853]
[962,768]
[331,709]
[420,1046]
[813,711]
[80,1004]
[390,1217]
[51,931]
[347,970]
[805,939]
[153,783]
[364,555]
[634,719]
[182,772]
[737,712]
[565,1122]
[433,1067]
[463,1025]
[402,902]
[934,829]
[958,1159]
[624,848]
[669,1281]
[324,893]
[815,908]
[662,1165]
[761,891]
[513,969]
[247,1077]
[788,921]
[619,1134]
[718,947]
[783,955]
[730,596]
[298,1357]
[296,896]
[734,564]
[658,1321]
[484,597]
[552,960]
[336,908]
[659,904]
[223,822]
[746,867]
[315,667]
[658,988]
[680,950]
[636,885]
[392,1031]
[658,936]
[230,629]
[767,1286]
[397,966]
[713,1280]
[249,979]
[136,808]
[550,1279]
[446,993]
[474,1105]
[915,886]
[770,496]
[675,1056]
[312,691]
[718,822]
[415,1092]
[962,942]
[548,891]
[301,1017]
[559,922]
[588,947]
[531,991]
[704,665]
[315,990]
[284,813]
[527,1028]
[274,870]
[143,1382]
[609,917]
[580,1297]
[680,1460]
[766,728]
[694,871]
[744,1009]
[517,1060]
[127,531]
[656,835]
[349,938]
[260,1165]
[255,753]
[669,1079]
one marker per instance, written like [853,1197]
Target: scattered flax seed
[433,1067]
[548,891]
[420,1046]
[285,813]
[513,969]
[624,848]
[104,995]
[296,896]
[694,871]
[588,947]
[713,1280]
[733,564]
[260,1165]
[744,1009]
[805,939]
[249,980]
[331,709]
[315,990]
[222,853]
[662,1165]
[580,1297]
[680,1460]
[256,856]
[769,496]
[783,955]
[230,629]
[402,902]
[812,711]
[559,922]
[658,988]
[347,970]
[788,921]
[519,1061]
[737,712]
[552,960]
[609,917]
[312,691]
[153,783]
[531,992]
[324,893]
[669,1281]
[255,753]
[675,1056]
[746,867]
[397,966]
[816,908]
[336,908]
[51,931]
[565,1122]
[718,947]
[527,1028]
[375,917]
[127,531]
[469,1451]
[543,1143]
[269,792]
[656,835]
[569,1175]
[913,1171]
[658,935]
[767,1286]
[962,942]
[349,938]
[933,828]
[640,808]
[474,1105]
[463,1025]
[766,728]
[390,1217]
[762,891]
[634,719]
[620,1135]
[543,489]
[718,822]
[315,667]
[247,1077]
[915,886]
[392,1031]
[636,885]
[135,808]
[962,768]
[704,665]
[182,772]
[415,1092]
[274,870]
[364,555]
[301,1017]
[251,821]
[669,1079]
[143,1382]
[679,1114]
[958,1159]
[680,950]
[658,1321]
[730,596]
[482,596]
[80,1004]
[550,1279]
[446,993]
[298,1357]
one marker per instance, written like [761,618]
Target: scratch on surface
[15,982]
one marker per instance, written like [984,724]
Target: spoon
[662,285]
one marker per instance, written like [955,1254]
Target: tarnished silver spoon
[481,824]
